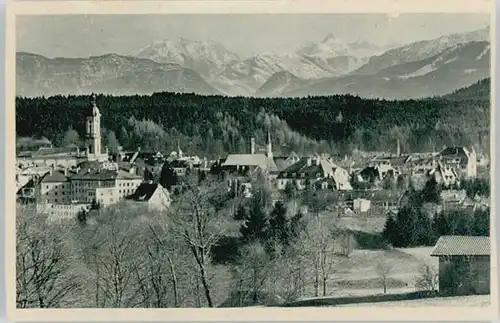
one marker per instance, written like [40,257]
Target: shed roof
[462,246]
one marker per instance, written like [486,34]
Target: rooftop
[462,246]
[55,177]
[250,160]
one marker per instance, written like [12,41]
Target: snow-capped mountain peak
[206,57]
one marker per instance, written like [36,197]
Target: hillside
[217,124]
[279,83]
[477,91]
[37,75]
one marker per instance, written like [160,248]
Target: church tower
[93,130]
[269,152]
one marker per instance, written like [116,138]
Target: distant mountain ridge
[37,75]
[438,75]
[421,50]
[326,67]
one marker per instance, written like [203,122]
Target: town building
[460,159]
[152,195]
[464,264]
[314,171]
[445,176]
[62,194]
[248,163]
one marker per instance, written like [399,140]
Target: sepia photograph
[323,160]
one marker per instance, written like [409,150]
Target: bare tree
[159,282]
[347,243]
[252,272]
[44,275]
[199,225]
[113,251]
[384,269]
[321,242]
[428,278]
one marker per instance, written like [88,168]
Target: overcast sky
[83,36]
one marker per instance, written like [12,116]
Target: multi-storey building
[63,194]
[462,160]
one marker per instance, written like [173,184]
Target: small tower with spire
[179,151]
[269,150]
[93,129]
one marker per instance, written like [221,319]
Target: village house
[445,176]
[464,264]
[452,199]
[25,175]
[373,176]
[399,163]
[152,195]
[461,159]
[313,171]
[421,166]
[286,161]
[361,205]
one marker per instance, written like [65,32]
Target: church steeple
[269,152]
[179,151]
[93,129]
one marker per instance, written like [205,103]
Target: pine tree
[440,225]
[481,223]
[167,177]
[256,225]
[279,223]
[390,233]
[406,220]
[423,235]
[431,192]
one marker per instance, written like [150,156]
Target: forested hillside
[215,124]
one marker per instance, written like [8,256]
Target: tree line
[217,124]
[420,222]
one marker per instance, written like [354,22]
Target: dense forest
[214,125]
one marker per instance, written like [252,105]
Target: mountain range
[325,67]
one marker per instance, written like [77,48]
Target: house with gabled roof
[317,171]
[398,162]
[461,159]
[464,264]
[443,175]
[152,195]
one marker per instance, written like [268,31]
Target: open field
[476,300]
[357,275]
[369,224]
